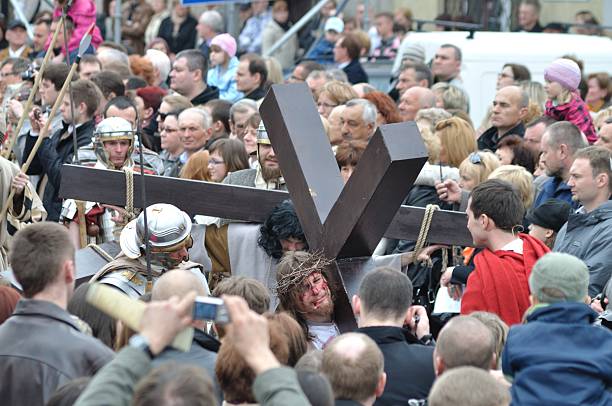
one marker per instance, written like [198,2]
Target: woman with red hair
[387,110]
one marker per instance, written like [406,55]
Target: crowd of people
[519,317]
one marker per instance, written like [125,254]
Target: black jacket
[41,348]
[52,154]
[256,94]
[409,366]
[355,73]
[210,93]
[490,138]
[186,36]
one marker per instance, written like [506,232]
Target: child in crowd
[323,51]
[564,102]
[224,64]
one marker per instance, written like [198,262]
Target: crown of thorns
[316,262]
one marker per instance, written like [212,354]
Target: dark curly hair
[281,223]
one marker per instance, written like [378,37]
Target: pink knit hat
[226,42]
[564,71]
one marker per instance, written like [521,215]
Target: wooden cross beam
[341,220]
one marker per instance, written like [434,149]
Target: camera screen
[204,311]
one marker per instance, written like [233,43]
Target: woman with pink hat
[223,63]
[564,102]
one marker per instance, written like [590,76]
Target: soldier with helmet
[169,231]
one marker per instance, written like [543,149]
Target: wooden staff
[26,110]
[43,133]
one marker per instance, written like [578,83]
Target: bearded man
[303,289]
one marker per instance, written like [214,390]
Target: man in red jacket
[499,283]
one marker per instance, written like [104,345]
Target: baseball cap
[335,24]
[559,277]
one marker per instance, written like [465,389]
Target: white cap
[334,23]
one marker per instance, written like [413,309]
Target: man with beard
[304,292]
[266,174]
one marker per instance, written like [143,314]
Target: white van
[485,55]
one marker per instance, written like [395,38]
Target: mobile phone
[210,308]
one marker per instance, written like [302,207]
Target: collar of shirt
[18,52]
[343,65]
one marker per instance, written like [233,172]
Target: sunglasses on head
[475,158]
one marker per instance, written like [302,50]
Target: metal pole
[296,27]
[117,22]
[230,17]
[366,15]
[22,17]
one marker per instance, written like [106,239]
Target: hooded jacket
[588,236]
[500,281]
[559,358]
[576,112]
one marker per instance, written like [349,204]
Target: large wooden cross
[343,221]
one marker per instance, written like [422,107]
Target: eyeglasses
[327,105]
[475,158]
[213,161]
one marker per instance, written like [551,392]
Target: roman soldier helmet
[169,231]
[262,134]
[111,129]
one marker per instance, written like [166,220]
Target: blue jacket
[225,81]
[555,188]
[322,52]
[559,358]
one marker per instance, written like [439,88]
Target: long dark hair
[282,223]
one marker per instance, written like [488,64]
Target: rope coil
[424,232]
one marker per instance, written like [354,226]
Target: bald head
[355,367]
[464,341]
[509,108]
[176,283]
[415,99]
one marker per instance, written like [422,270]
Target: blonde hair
[275,70]
[518,177]
[480,171]
[535,91]
[533,111]
[339,92]
[458,138]
[432,143]
[601,117]
[430,117]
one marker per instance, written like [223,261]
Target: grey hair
[160,61]
[564,132]
[369,109]
[113,55]
[204,115]
[336,74]
[213,19]
[242,106]
[458,54]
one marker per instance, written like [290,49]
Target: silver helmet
[169,231]
[111,129]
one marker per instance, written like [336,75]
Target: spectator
[347,157]
[136,17]
[413,74]
[389,42]
[355,367]
[511,150]
[275,71]
[388,112]
[323,50]
[452,99]
[110,84]
[226,155]
[240,113]
[598,96]
[224,66]
[534,130]
[196,167]
[513,74]
[468,386]
[251,35]
[334,94]
[415,99]
[89,65]
[195,131]
[141,66]
[274,30]
[464,341]
[302,70]
[83,15]
[509,110]
[587,24]
[564,103]
[251,76]
[161,66]
[102,326]
[179,29]
[358,120]
[605,135]
[547,219]
[316,387]
[17,38]
[210,25]
[384,306]
[587,232]
[160,9]
[346,55]
[251,290]
[41,339]
[529,16]
[171,145]
[188,77]
[42,28]
[498,330]
[520,179]
[546,362]
[149,100]
[494,210]
[559,144]
[446,66]
[457,141]
[220,114]
[334,120]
